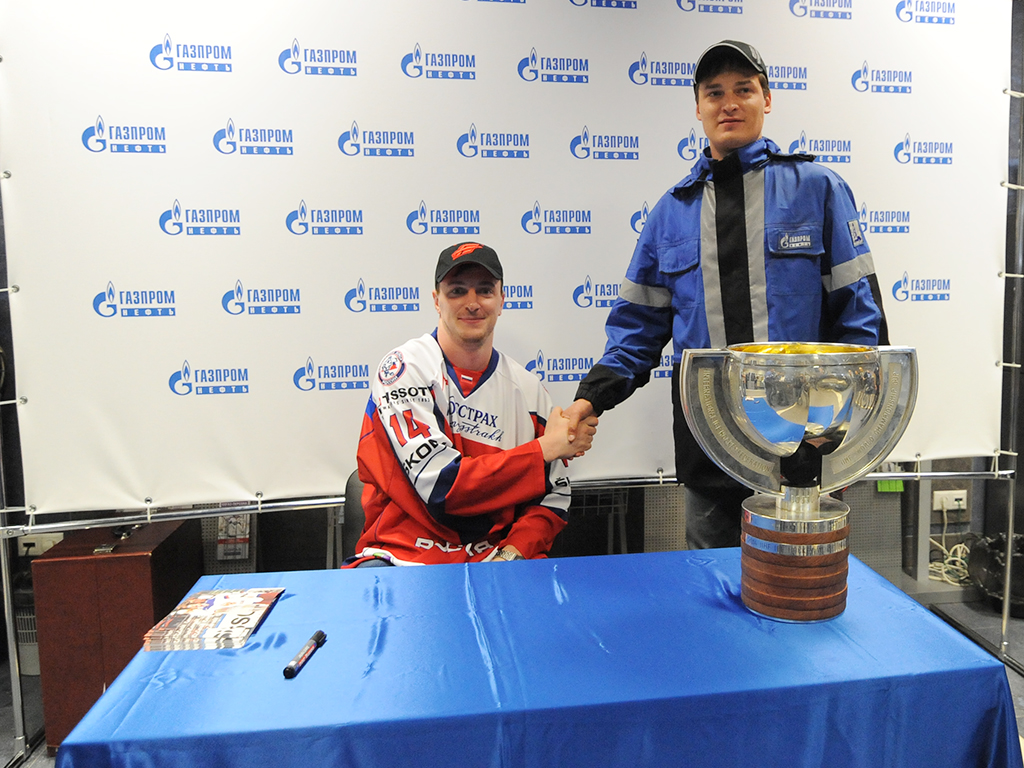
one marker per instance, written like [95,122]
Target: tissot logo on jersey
[209,381]
[926,12]
[494,144]
[553,69]
[331,377]
[556,221]
[921,289]
[443,221]
[591,294]
[125,139]
[825,150]
[646,71]
[133,303]
[436,65]
[405,298]
[377,143]
[822,9]
[923,152]
[261,301]
[866,80]
[639,219]
[711,6]
[330,61]
[518,297]
[191,56]
[691,146]
[324,221]
[885,221]
[601,146]
[553,369]
[200,221]
[629,5]
[253,140]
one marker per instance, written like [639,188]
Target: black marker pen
[296,664]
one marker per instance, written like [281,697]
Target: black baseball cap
[468,253]
[728,47]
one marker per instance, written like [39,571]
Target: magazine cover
[217,618]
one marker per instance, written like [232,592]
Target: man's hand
[581,411]
[555,441]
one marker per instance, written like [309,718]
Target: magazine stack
[216,618]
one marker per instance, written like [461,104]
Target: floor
[980,621]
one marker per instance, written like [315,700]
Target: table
[625,660]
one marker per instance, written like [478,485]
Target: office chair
[354,517]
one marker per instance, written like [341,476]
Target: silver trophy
[794,421]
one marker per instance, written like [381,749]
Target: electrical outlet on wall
[949,500]
[35,544]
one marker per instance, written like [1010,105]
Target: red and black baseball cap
[468,253]
[728,48]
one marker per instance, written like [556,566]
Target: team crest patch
[391,369]
[856,234]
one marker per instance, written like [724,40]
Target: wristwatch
[505,554]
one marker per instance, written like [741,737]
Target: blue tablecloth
[628,660]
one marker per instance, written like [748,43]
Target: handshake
[569,433]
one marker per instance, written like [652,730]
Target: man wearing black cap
[462,455]
[752,246]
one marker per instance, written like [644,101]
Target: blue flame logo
[289,60]
[348,142]
[901,288]
[639,219]
[536,366]
[583,296]
[905,10]
[689,147]
[181,381]
[160,55]
[531,220]
[902,151]
[103,304]
[467,143]
[170,220]
[638,70]
[416,222]
[296,220]
[412,63]
[232,300]
[303,378]
[224,139]
[528,67]
[798,8]
[94,137]
[580,146]
[860,81]
[355,299]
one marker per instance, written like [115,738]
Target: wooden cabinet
[93,607]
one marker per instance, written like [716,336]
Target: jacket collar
[754,155]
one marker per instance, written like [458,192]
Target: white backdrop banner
[222,215]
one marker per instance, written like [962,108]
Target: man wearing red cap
[462,455]
[753,246]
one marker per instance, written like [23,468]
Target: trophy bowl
[794,420]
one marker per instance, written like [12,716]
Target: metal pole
[1015,357]
[17,706]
